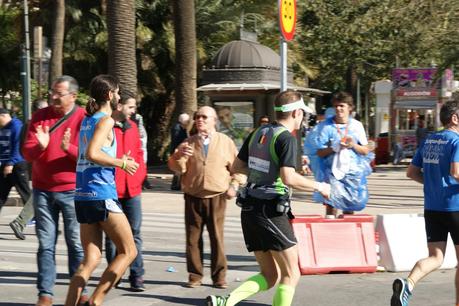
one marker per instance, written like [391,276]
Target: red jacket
[53,169]
[128,139]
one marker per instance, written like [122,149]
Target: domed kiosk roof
[245,54]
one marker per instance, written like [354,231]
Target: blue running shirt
[434,156]
[93,181]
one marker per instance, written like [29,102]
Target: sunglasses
[196,117]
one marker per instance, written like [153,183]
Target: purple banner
[413,78]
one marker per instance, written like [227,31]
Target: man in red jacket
[129,187]
[51,145]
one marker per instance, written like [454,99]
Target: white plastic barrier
[402,242]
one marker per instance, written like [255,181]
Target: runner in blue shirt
[436,166]
[96,200]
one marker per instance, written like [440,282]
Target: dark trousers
[211,213]
[19,178]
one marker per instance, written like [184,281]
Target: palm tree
[57,45]
[185,56]
[121,42]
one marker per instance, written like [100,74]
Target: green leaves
[370,34]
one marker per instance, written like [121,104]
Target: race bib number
[259,164]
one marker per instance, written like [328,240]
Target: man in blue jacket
[13,167]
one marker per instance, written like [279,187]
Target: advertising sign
[414,83]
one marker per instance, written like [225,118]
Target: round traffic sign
[287,18]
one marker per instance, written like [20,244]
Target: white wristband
[319,186]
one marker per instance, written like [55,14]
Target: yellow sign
[287,18]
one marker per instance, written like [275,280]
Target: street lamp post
[25,67]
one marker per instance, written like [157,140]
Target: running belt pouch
[62,120]
[283,204]
[241,198]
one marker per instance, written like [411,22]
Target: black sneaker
[137,284]
[146,185]
[17,229]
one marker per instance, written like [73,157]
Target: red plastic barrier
[335,245]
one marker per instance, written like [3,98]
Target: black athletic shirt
[285,146]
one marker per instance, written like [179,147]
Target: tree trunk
[185,56]
[351,81]
[57,45]
[121,43]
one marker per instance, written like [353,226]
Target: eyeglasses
[196,117]
[52,93]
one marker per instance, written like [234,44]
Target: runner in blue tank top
[96,202]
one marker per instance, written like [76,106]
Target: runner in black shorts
[436,166]
[268,157]
[440,223]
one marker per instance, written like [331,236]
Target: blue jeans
[132,208]
[47,207]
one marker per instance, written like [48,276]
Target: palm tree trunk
[121,43]
[185,56]
[57,45]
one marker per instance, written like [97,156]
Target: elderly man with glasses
[205,160]
[51,145]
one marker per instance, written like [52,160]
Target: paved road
[163,233]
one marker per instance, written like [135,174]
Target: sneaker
[119,284]
[31,222]
[84,300]
[44,300]
[137,284]
[217,300]
[401,293]
[146,185]
[17,229]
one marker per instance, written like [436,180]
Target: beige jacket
[206,177]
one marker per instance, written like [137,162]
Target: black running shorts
[96,211]
[265,229]
[440,223]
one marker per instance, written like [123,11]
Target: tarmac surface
[164,244]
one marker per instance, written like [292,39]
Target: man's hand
[184,149]
[231,192]
[7,170]
[348,143]
[305,169]
[42,135]
[66,140]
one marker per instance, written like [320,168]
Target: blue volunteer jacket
[10,141]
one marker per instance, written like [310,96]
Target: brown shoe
[193,284]
[44,300]
[220,285]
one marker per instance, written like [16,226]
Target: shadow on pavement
[206,256]
[183,300]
